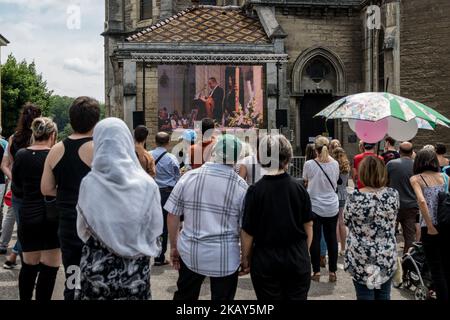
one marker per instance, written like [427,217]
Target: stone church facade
[313,52]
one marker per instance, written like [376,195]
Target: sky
[62,37]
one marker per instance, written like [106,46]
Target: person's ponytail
[321,146]
[324,154]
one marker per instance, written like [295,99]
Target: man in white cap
[211,199]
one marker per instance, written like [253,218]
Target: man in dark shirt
[218,95]
[400,171]
[390,153]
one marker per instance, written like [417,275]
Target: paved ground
[164,279]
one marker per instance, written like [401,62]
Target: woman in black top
[20,139]
[67,164]
[277,230]
[37,235]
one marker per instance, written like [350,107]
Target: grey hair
[275,151]
[429,147]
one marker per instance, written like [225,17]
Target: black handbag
[443,214]
[51,212]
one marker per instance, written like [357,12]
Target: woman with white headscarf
[119,219]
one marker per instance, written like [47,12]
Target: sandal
[323,261]
[332,277]
[160,264]
[315,277]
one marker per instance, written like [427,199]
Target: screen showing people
[231,95]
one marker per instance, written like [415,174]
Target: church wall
[425,52]
[341,35]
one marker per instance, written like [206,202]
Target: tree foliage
[20,84]
[58,110]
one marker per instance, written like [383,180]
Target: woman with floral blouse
[370,216]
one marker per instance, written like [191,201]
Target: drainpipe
[143,88]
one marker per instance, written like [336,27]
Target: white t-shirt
[324,199]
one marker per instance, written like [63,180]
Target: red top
[200,153]
[357,161]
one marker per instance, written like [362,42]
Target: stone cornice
[209,58]
[308,3]
[195,48]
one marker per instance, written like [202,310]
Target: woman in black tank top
[62,178]
[69,172]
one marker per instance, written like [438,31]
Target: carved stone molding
[306,56]
[166,58]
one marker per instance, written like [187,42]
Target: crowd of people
[102,205]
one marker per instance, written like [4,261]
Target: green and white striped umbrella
[374,106]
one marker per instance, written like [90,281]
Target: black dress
[35,232]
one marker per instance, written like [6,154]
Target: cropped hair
[84,114]
[140,134]
[440,149]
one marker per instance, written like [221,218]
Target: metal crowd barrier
[296,167]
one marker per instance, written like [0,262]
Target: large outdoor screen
[231,95]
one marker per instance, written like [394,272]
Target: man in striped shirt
[211,199]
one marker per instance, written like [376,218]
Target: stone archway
[318,78]
[298,85]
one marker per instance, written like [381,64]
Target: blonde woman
[321,176]
[334,144]
[340,156]
[37,234]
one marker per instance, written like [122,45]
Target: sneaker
[9,265]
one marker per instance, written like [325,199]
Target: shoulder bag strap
[159,158]
[253,173]
[326,175]
[424,181]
